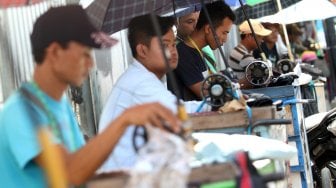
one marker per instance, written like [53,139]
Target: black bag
[283,80]
[258,100]
[307,92]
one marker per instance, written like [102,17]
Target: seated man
[141,83]
[192,67]
[186,25]
[61,39]
[271,46]
[241,55]
[294,37]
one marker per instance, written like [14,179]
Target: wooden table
[198,175]
[239,119]
[204,174]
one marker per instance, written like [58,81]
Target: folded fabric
[233,106]
[216,147]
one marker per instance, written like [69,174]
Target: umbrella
[113,15]
[261,10]
[304,10]
[236,3]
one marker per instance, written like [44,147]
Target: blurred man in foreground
[62,39]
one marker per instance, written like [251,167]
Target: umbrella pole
[290,54]
[227,67]
[262,54]
[157,30]
[316,39]
[182,114]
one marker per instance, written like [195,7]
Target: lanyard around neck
[209,65]
[55,126]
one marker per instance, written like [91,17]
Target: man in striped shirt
[242,55]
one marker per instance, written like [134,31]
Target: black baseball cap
[65,24]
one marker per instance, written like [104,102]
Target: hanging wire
[170,71]
[227,67]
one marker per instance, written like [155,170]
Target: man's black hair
[217,10]
[141,30]
[39,54]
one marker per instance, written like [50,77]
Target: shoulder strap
[52,120]
[24,91]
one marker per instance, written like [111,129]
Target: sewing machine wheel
[258,73]
[284,66]
[216,90]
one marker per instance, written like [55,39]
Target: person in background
[141,83]
[193,65]
[294,36]
[241,55]
[61,39]
[186,25]
[271,46]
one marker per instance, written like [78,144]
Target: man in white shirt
[141,83]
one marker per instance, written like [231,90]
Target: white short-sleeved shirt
[137,85]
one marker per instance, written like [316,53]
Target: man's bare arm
[81,165]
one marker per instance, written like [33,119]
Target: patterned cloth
[262,9]
[113,15]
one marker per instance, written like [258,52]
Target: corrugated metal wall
[16,62]
[110,64]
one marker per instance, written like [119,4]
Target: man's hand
[154,114]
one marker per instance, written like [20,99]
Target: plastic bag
[162,163]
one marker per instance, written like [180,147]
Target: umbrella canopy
[235,3]
[113,15]
[260,10]
[304,10]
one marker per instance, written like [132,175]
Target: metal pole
[215,35]
[262,54]
[290,54]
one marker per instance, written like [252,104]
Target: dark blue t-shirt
[189,71]
[271,54]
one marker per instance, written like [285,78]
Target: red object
[242,160]
[16,3]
